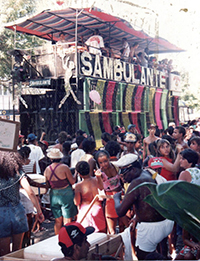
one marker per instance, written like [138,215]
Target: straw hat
[54,154]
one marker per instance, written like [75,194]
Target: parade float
[67,88]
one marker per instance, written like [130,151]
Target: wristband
[40,214]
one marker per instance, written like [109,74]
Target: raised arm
[99,179]
[173,167]
[42,136]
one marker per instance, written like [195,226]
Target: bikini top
[110,184]
[59,183]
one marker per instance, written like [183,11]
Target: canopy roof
[48,25]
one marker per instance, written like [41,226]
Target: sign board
[40,82]
[9,135]
[175,83]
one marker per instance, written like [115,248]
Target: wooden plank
[17,255]
[108,247]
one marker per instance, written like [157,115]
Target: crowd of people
[94,186]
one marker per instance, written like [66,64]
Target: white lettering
[117,70]
[149,76]
[97,67]
[108,68]
[87,64]
[143,78]
[127,78]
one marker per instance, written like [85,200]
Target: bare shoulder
[145,140]
[47,171]
[185,176]
[78,186]
[64,167]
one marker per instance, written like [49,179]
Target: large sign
[117,70]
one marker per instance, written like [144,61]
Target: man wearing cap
[36,152]
[149,139]
[152,228]
[73,241]
[130,141]
[132,129]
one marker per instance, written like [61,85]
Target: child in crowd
[85,192]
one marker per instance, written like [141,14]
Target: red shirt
[166,173]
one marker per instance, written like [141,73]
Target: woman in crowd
[188,161]
[165,152]
[111,184]
[12,214]
[60,180]
[189,158]
[165,156]
[194,144]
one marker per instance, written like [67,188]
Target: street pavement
[46,231]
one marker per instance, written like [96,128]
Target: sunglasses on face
[124,170]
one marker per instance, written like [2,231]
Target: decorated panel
[152,105]
[157,109]
[129,97]
[164,108]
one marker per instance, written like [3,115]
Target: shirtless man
[151,226]
[151,138]
[179,135]
[85,191]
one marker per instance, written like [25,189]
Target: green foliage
[178,201]
[187,94]
[13,10]
[18,9]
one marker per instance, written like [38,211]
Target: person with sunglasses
[151,226]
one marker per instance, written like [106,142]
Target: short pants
[62,203]
[13,220]
[149,234]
